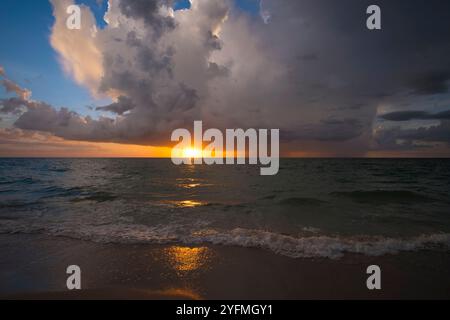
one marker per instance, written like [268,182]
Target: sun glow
[192,153]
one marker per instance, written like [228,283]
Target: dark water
[313,207]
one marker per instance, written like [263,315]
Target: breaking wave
[322,246]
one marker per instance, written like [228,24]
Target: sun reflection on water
[191,185]
[189,203]
[179,293]
[186,259]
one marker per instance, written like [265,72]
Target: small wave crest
[298,201]
[383,196]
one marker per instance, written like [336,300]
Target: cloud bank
[310,68]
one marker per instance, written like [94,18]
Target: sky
[139,69]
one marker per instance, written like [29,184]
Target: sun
[192,153]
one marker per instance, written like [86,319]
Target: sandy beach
[33,267]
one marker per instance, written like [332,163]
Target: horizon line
[282,157]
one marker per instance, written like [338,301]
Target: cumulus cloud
[78,50]
[153,62]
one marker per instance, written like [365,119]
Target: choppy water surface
[313,207]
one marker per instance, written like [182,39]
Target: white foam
[325,246]
[295,247]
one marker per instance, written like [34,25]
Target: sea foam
[333,247]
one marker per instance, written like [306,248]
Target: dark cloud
[147,10]
[337,130]
[415,115]
[65,123]
[132,39]
[403,139]
[12,105]
[123,105]
[309,57]
[355,106]
[18,106]
[431,83]
[215,70]
[149,62]
[437,133]
[213,42]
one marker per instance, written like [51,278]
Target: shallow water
[313,207]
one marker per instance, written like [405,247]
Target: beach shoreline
[34,267]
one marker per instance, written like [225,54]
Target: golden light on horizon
[51,146]
[196,153]
[192,153]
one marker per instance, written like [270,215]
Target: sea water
[311,208]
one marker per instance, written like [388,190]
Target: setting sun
[192,153]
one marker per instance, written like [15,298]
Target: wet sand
[34,267]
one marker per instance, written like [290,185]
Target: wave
[24,181]
[97,197]
[17,204]
[298,201]
[385,196]
[77,194]
[316,246]
[59,170]
[322,246]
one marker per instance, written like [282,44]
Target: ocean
[312,208]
